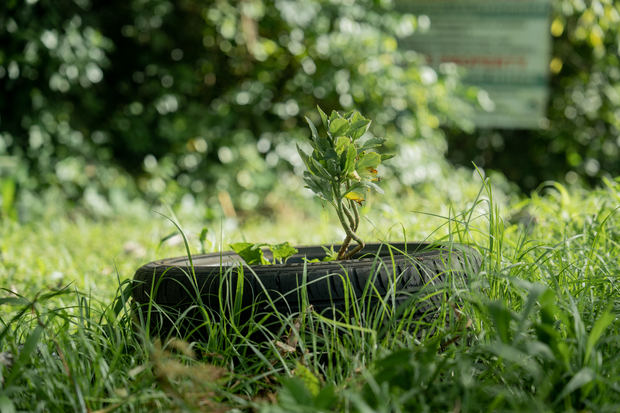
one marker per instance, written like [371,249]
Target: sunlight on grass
[535,329]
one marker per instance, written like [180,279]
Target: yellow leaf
[355,196]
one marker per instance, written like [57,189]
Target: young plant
[342,168]
[253,254]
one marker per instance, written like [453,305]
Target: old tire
[219,282]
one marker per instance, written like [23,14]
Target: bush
[205,97]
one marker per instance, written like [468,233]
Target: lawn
[536,329]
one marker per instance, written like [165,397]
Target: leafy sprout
[253,254]
[342,168]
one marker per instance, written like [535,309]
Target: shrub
[205,97]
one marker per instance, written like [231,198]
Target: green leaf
[348,114]
[373,142]
[367,160]
[333,167]
[368,174]
[333,115]
[330,254]
[359,126]
[323,116]
[282,252]
[310,183]
[330,154]
[357,186]
[580,379]
[597,330]
[349,165]
[343,162]
[355,116]
[338,127]
[252,254]
[342,142]
[315,134]
[321,187]
[304,157]
[319,170]
[323,145]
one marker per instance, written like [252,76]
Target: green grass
[536,329]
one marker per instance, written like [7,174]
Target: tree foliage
[197,96]
[162,97]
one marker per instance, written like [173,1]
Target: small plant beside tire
[342,168]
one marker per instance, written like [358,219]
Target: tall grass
[536,329]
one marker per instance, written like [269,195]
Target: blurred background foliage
[205,97]
[184,101]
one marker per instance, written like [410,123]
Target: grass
[536,329]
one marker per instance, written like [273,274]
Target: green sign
[502,46]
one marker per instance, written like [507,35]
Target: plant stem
[344,247]
[338,206]
[356,215]
[347,211]
[355,250]
[350,217]
[351,235]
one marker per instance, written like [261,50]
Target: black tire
[397,269]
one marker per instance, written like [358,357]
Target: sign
[503,47]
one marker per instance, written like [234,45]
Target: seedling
[253,254]
[342,168]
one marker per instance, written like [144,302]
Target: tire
[378,271]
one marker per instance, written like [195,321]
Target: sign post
[503,47]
